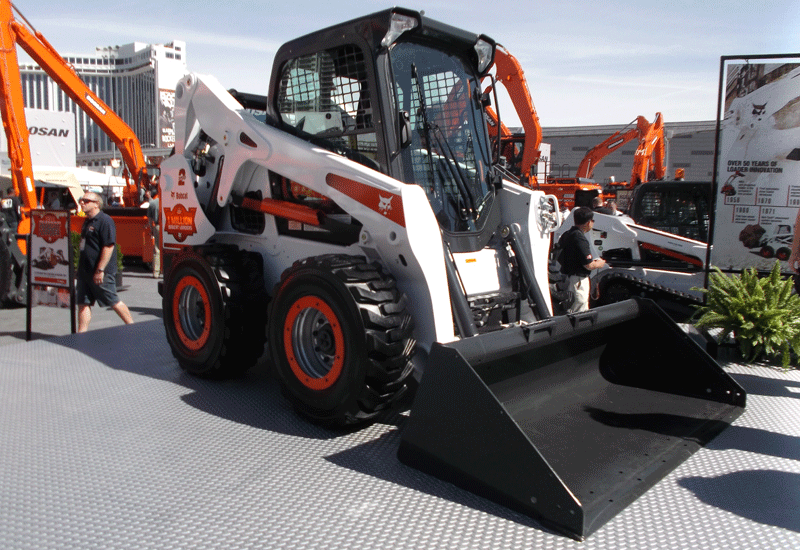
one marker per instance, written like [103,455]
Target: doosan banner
[758,169]
[51,138]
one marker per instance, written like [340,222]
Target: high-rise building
[136,80]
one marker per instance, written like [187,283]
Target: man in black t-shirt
[576,258]
[96,280]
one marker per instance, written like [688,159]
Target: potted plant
[761,313]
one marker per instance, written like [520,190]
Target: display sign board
[50,280]
[49,248]
[757,173]
[166,117]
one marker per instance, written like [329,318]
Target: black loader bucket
[572,419]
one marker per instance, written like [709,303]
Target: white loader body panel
[615,233]
[399,229]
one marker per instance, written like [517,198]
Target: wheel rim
[314,343]
[191,313]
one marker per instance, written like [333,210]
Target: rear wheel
[340,338]
[6,274]
[214,319]
[13,282]
[615,291]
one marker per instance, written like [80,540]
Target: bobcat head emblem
[384,204]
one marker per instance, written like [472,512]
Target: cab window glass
[326,98]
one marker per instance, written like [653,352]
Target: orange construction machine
[613,143]
[133,234]
[522,150]
[648,160]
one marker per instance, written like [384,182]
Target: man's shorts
[104,294]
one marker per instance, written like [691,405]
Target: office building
[136,80]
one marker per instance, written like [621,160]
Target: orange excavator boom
[648,161]
[12,108]
[635,129]
[68,80]
[509,72]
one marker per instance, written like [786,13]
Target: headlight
[485,52]
[399,24]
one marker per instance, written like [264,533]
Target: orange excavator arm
[12,108]
[648,161]
[611,144]
[509,72]
[68,80]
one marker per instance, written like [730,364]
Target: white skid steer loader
[362,229]
[645,262]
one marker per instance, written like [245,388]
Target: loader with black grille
[354,226]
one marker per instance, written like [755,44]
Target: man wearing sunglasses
[97,267]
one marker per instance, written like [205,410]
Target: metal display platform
[105,443]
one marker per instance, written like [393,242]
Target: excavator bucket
[572,419]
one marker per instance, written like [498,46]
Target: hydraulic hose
[535,296]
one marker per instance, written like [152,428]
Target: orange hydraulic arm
[509,72]
[611,144]
[13,113]
[68,80]
[648,162]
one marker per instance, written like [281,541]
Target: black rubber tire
[767,252]
[341,339]
[615,291]
[783,253]
[13,277]
[6,273]
[215,312]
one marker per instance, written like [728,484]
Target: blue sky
[586,62]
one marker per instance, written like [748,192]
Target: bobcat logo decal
[384,204]
[378,200]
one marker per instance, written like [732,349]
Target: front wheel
[340,338]
[214,317]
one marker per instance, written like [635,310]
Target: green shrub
[762,313]
[75,241]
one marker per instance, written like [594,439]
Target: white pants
[579,285]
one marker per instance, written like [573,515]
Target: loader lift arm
[43,53]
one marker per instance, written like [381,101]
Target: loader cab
[678,207]
[400,94]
